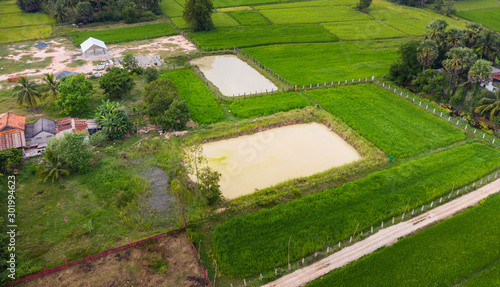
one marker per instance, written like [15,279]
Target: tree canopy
[198,14]
[116,83]
[74,94]
[114,119]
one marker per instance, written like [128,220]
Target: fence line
[205,271]
[370,230]
[90,257]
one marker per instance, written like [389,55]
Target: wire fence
[360,231]
[98,255]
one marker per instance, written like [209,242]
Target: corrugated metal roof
[40,125]
[10,120]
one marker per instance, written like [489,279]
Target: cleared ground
[140,265]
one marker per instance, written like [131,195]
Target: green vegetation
[267,105]
[202,103]
[315,3]
[25,33]
[249,244]
[247,36]
[250,18]
[126,34]
[313,15]
[442,255]
[488,17]
[24,19]
[305,64]
[391,123]
[232,3]
[463,5]
[171,8]
[362,30]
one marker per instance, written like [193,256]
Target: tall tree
[436,31]
[472,34]
[454,38]
[459,61]
[26,92]
[52,86]
[404,70]
[427,53]
[85,11]
[363,5]
[198,14]
[479,73]
[491,105]
[116,83]
[488,45]
[59,12]
[74,94]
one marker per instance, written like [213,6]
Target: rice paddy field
[16,25]
[401,131]
[268,105]
[126,34]
[485,12]
[461,251]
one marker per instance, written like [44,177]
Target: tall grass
[249,244]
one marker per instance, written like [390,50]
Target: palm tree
[59,12]
[487,46]
[52,86]
[472,34]
[26,92]
[427,53]
[436,31]
[491,105]
[51,167]
[454,38]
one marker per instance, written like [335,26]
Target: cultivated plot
[250,18]
[488,17]
[313,15]
[268,105]
[464,247]
[361,30]
[394,125]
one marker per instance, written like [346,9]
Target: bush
[137,71]
[130,15]
[104,16]
[150,74]
[114,120]
[148,16]
[72,150]
[29,6]
[74,94]
[98,138]
[9,159]
[116,82]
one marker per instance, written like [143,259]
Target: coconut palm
[489,104]
[51,167]
[427,53]
[52,86]
[26,92]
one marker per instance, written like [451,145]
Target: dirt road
[384,237]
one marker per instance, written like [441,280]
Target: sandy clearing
[63,55]
[384,237]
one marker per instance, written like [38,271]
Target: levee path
[384,237]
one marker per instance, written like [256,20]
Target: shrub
[150,74]
[72,150]
[74,94]
[114,120]
[10,158]
[116,82]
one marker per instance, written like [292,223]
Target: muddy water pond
[233,76]
[266,158]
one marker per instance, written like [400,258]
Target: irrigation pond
[233,76]
[266,158]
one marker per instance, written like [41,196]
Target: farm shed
[94,47]
[40,132]
[11,131]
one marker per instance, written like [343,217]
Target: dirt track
[384,237]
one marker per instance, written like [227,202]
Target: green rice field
[488,17]
[362,30]
[461,251]
[464,5]
[268,105]
[305,64]
[249,244]
[305,15]
[126,34]
[202,103]
[250,18]
[394,125]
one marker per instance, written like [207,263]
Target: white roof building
[93,44]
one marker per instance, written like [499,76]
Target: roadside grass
[464,5]
[249,18]
[441,255]
[249,244]
[488,17]
[268,105]
[126,34]
[247,36]
[203,105]
[394,125]
[307,15]
[362,30]
[305,64]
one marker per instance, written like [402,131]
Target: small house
[11,131]
[40,132]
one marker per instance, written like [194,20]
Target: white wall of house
[41,139]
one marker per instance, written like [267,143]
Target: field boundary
[360,235]
[98,255]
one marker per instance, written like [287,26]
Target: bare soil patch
[133,267]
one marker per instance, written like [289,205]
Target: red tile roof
[9,121]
